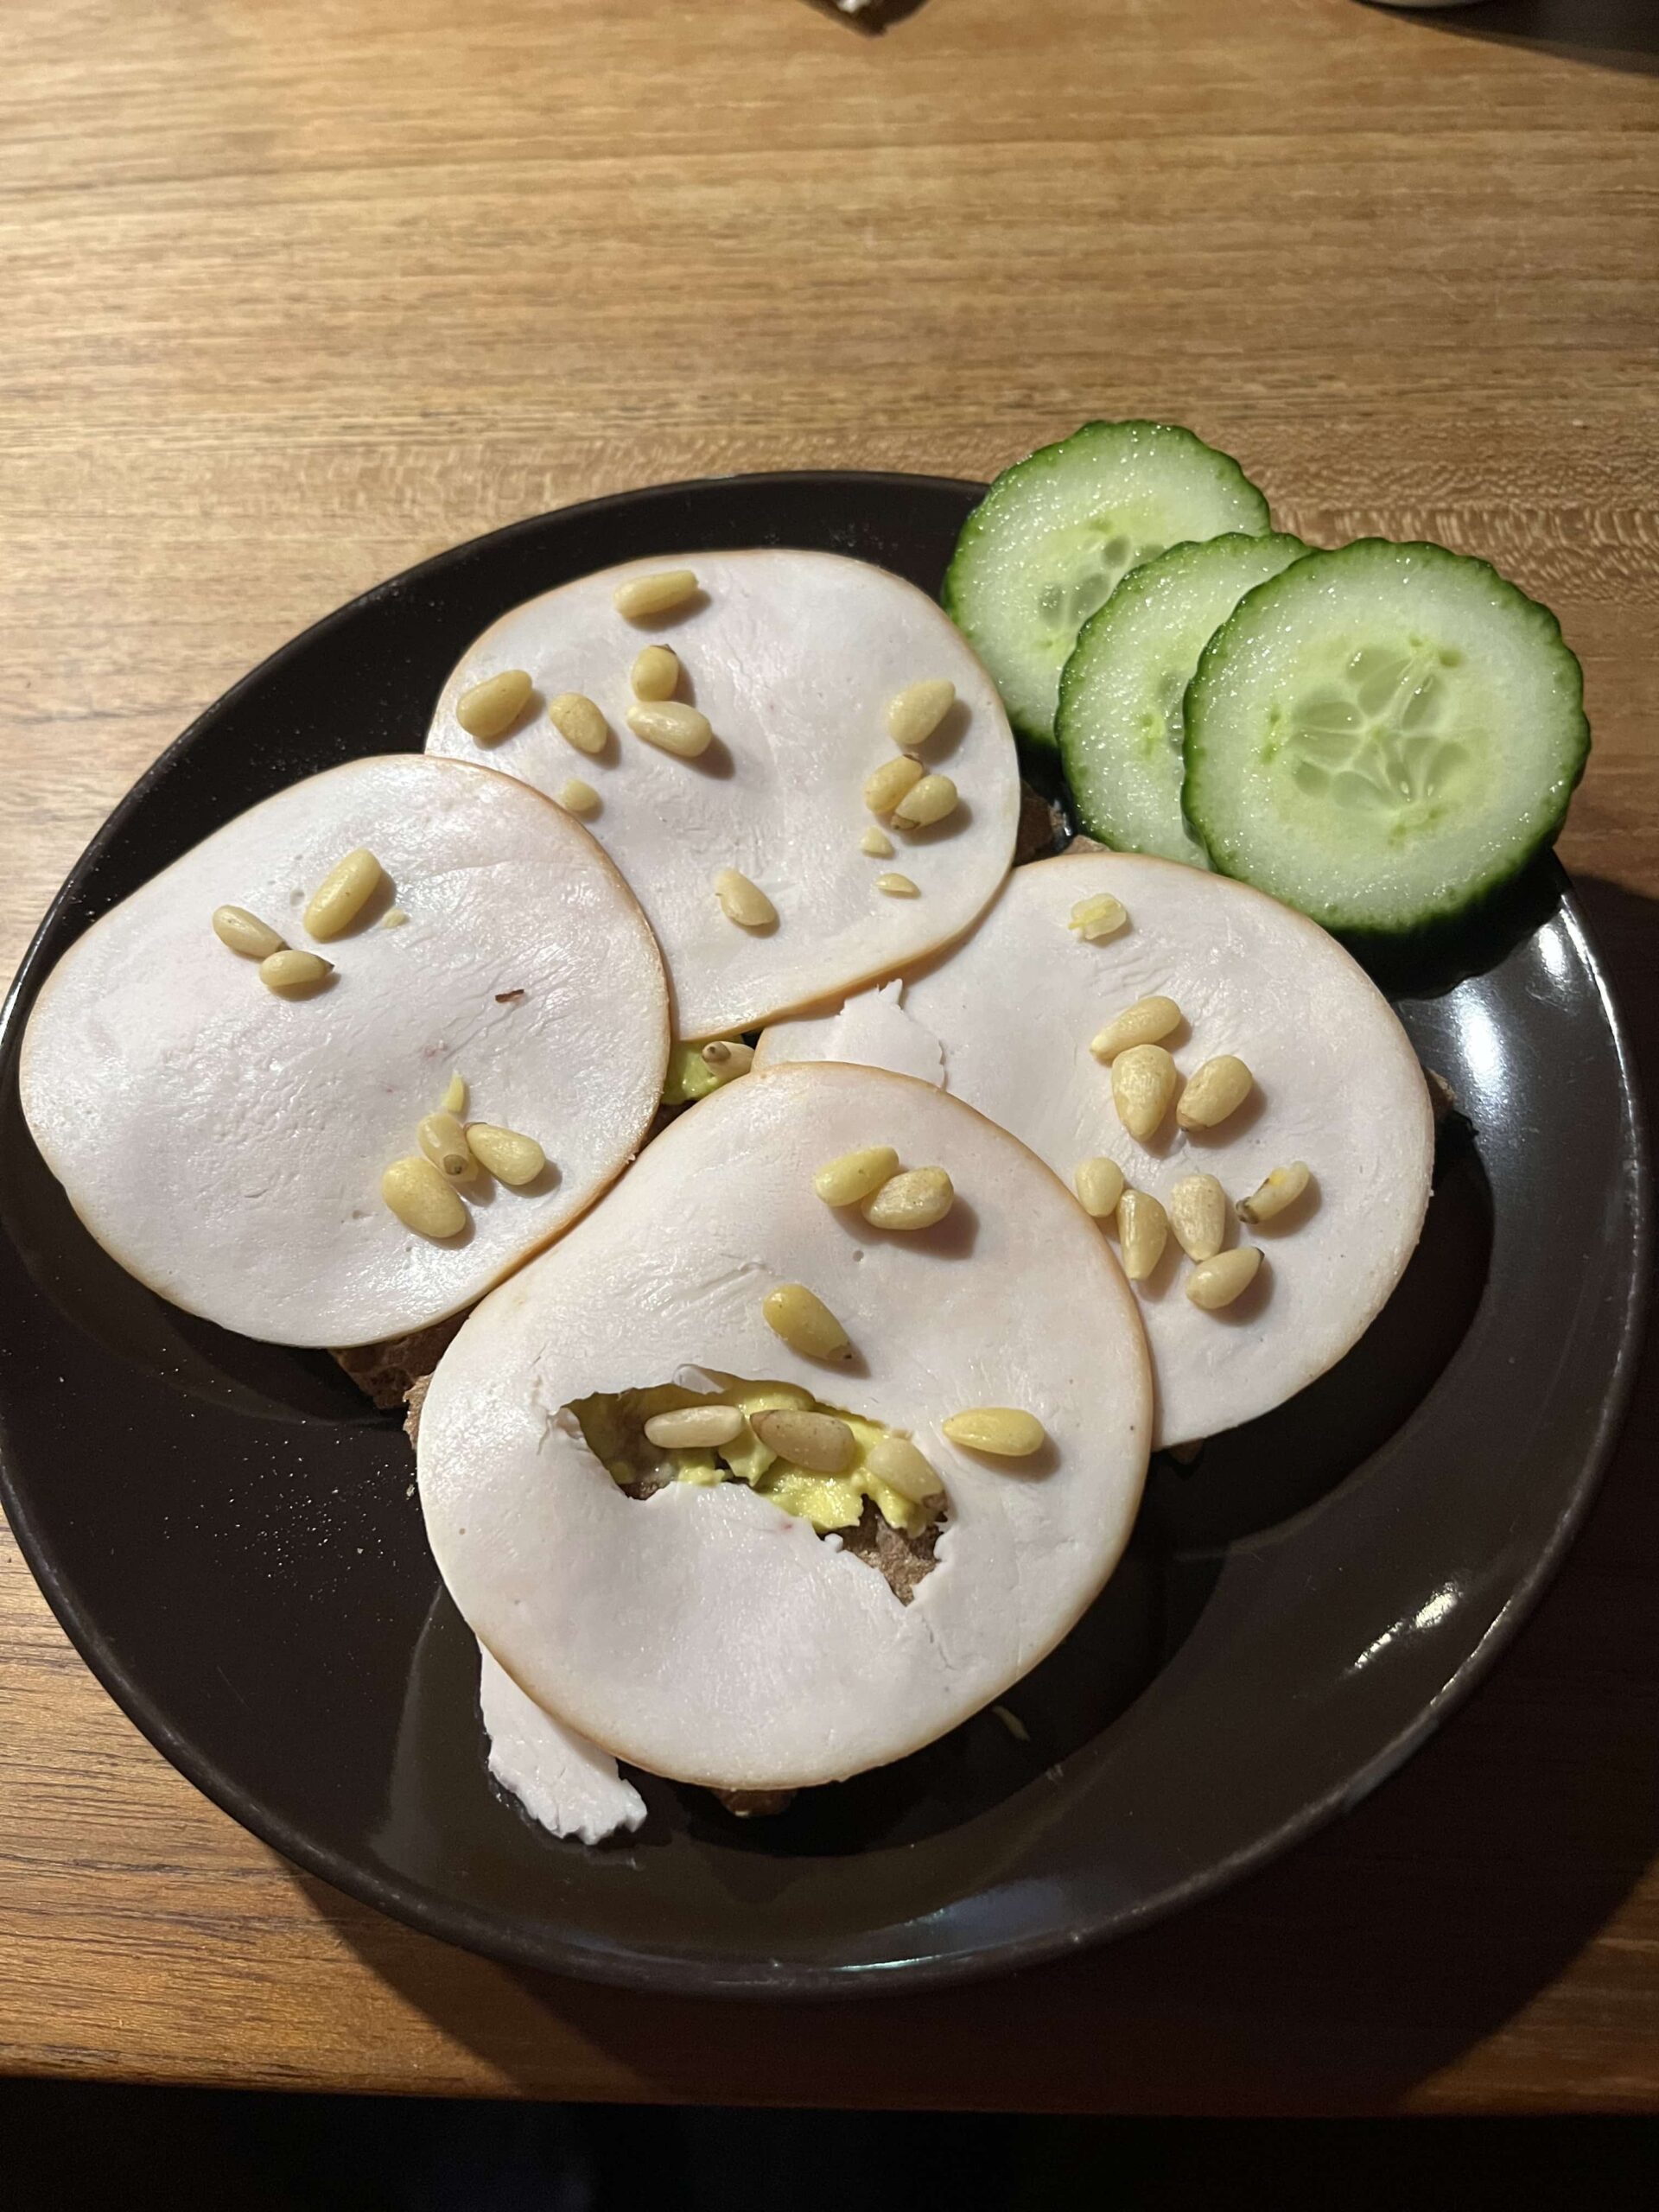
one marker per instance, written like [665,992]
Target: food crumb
[505,998]
[1016,1726]
[1441,1097]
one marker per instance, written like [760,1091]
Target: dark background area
[74,2144]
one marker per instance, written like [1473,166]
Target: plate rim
[432,1913]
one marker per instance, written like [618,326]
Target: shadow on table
[1612,34]
[875,16]
[1354,1968]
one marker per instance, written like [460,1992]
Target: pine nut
[659,593]
[1197,1214]
[1214,1091]
[895,1461]
[511,1157]
[727,1061]
[694,1426]
[1142,1232]
[1144,1082]
[818,1442]
[577,797]
[1096,918]
[1099,1185]
[1283,1187]
[443,1142]
[420,1199]
[393,918]
[743,902]
[246,933]
[805,1322]
[1003,1430]
[877,843]
[915,1199]
[454,1096]
[672,727]
[489,709]
[578,722]
[916,712]
[1224,1277]
[852,1176]
[897,886]
[292,971]
[925,803]
[655,673]
[342,894]
[885,786]
[1149,1022]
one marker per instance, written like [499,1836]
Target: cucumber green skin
[1427,925]
[1010,484]
[1070,732]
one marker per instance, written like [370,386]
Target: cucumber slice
[1382,737]
[1051,539]
[1119,724]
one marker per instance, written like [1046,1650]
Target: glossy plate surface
[230,1535]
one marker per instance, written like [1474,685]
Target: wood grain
[299,292]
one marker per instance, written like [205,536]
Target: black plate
[230,1536]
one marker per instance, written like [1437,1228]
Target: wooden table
[297,291]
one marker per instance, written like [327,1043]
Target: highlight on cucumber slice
[1383,736]
[1056,533]
[1119,726]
